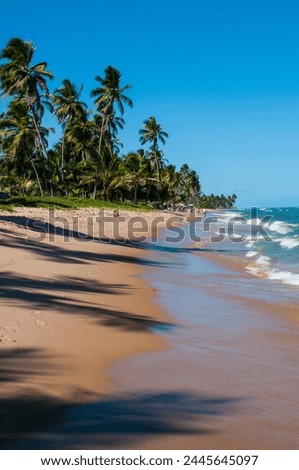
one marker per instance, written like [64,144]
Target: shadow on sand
[42,294]
[39,422]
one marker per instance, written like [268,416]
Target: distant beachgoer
[204,213]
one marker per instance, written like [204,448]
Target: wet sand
[230,378]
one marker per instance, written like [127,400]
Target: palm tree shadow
[41,423]
[45,295]
[35,421]
[65,254]
[60,227]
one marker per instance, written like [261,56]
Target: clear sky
[220,76]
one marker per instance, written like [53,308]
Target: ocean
[277,257]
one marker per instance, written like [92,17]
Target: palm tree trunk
[101,135]
[95,188]
[37,177]
[99,153]
[135,193]
[62,150]
[157,168]
[42,149]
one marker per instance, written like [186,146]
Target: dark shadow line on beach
[34,421]
[46,228]
[56,253]
[41,295]
[43,423]
[17,364]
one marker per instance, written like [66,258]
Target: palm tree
[109,96]
[106,170]
[18,137]
[189,185]
[152,132]
[110,93]
[169,183]
[135,173]
[67,106]
[26,82]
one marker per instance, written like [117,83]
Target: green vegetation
[68,203]
[85,167]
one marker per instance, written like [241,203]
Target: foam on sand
[262,268]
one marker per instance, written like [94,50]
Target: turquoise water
[275,256]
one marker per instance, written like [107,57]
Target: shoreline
[232,369]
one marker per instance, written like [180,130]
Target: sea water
[267,239]
[277,256]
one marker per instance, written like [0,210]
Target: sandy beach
[108,344]
[70,307]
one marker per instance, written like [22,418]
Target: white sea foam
[253,239]
[284,276]
[251,254]
[262,266]
[229,215]
[280,227]
[263,261]
[255,221]
[288,242]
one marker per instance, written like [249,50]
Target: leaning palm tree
[26,82]
[66,107]
[18,137]
[153,133]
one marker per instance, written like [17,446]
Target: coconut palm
[134,172]
[18,137]
[169,183]
[109,96]
[110,93]
[106,171]
[152,132]
[66,107]
[26,82]
[189,186]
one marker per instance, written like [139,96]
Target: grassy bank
[69,203]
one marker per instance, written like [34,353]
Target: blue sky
[221,77]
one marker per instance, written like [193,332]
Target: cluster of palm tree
[213,201]
[86,161]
